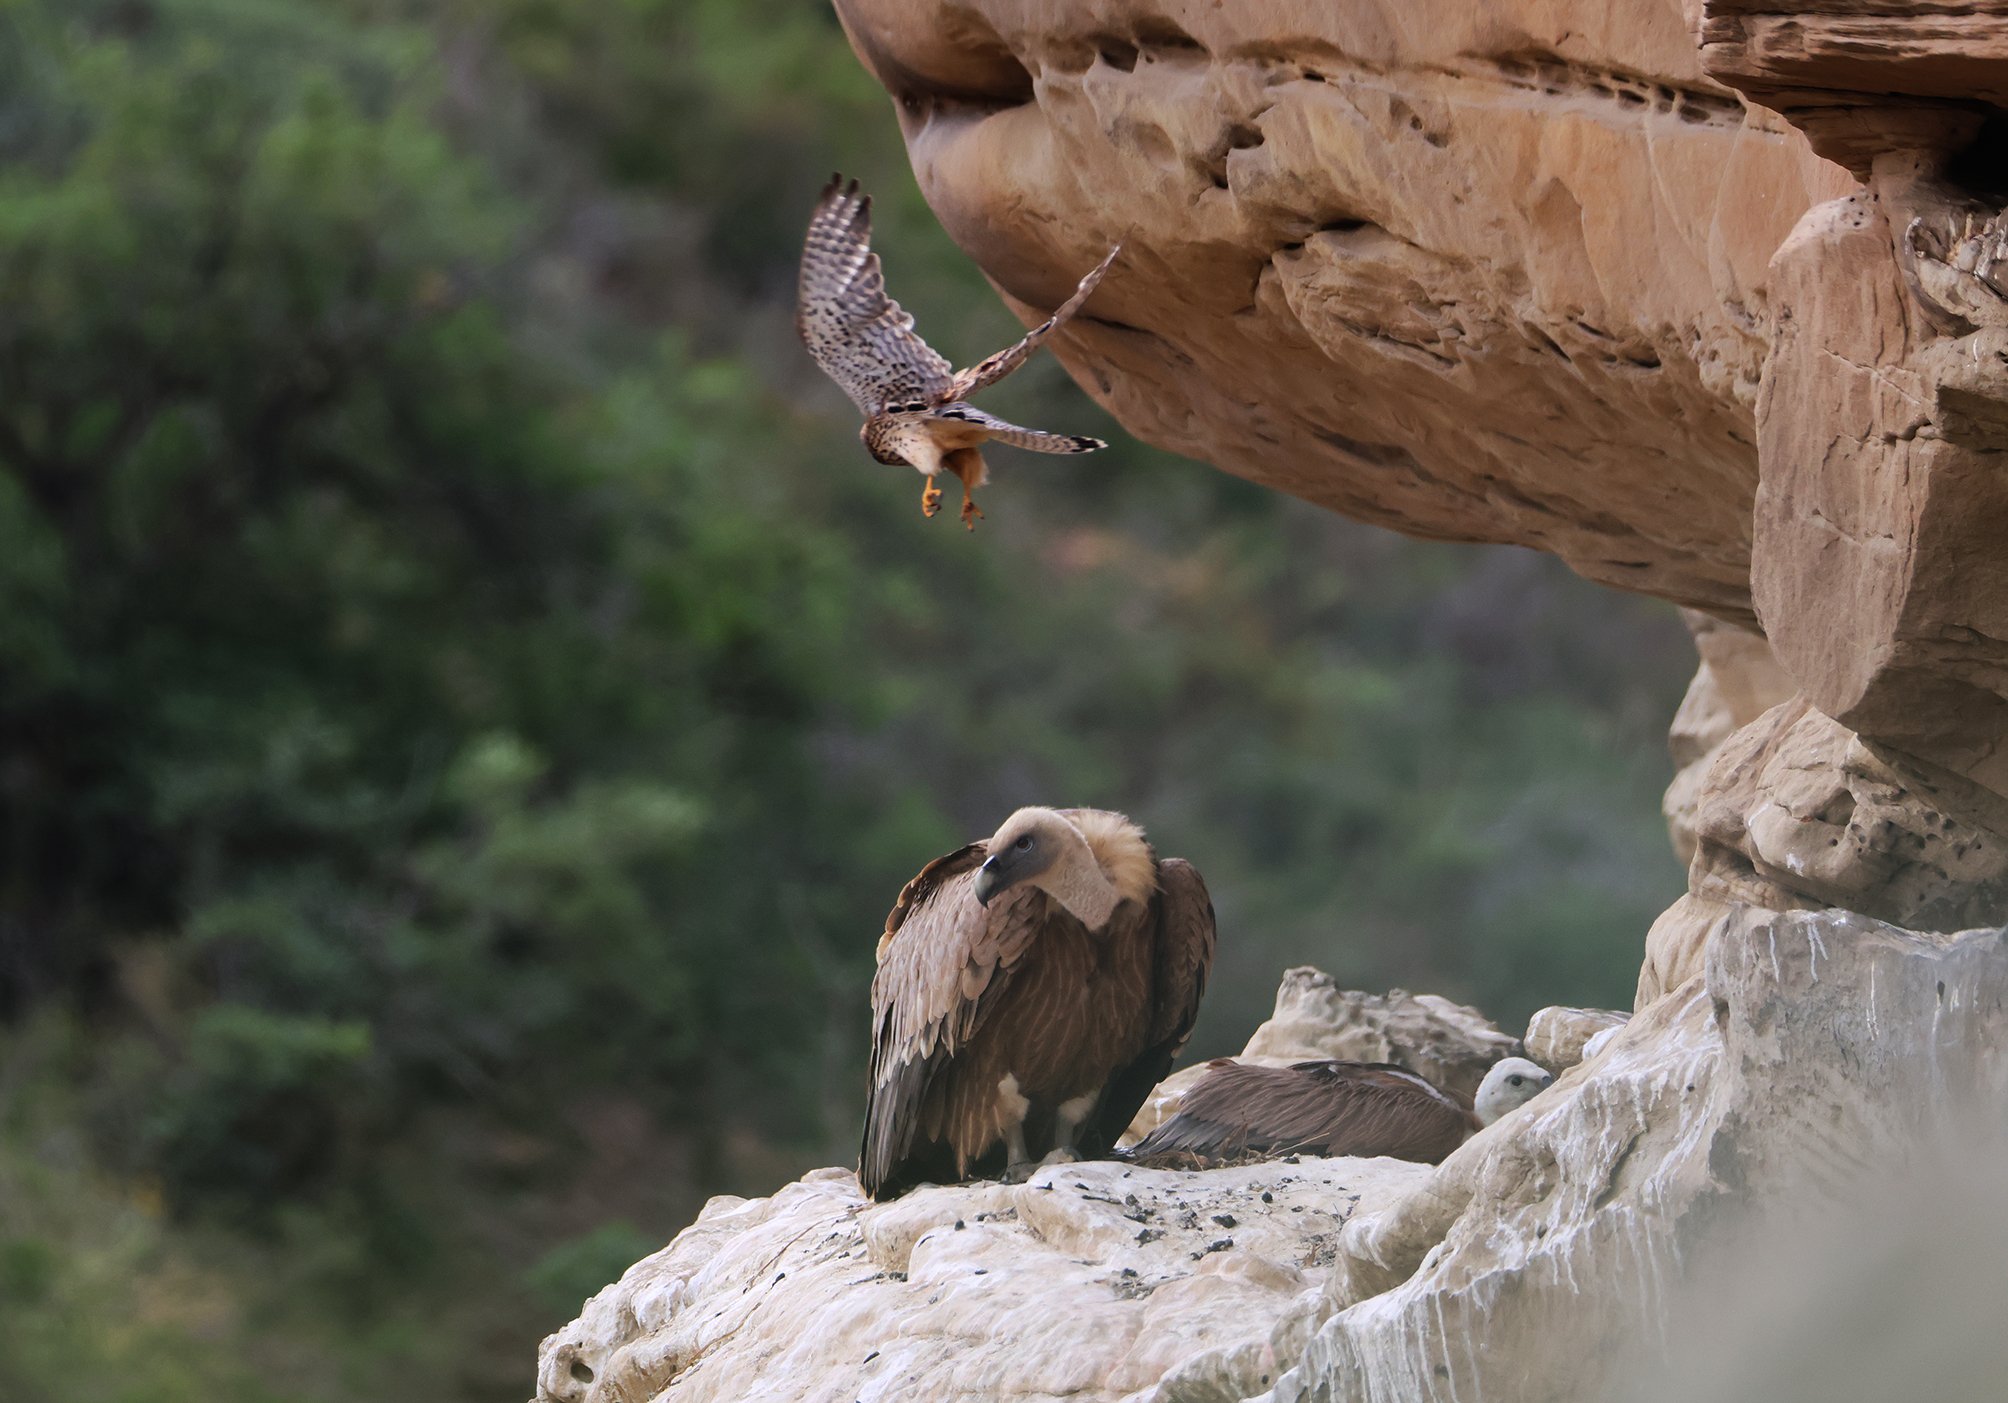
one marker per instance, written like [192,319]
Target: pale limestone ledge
[1090,1282]
[1542,1260]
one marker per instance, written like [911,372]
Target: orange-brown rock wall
[1489,273]
[1699,295]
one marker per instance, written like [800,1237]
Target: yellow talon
[930,499]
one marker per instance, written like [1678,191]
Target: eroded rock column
[1879,557]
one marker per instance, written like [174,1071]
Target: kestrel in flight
[912,399]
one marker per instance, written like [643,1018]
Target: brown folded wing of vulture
[1018,1019]
[1241,1111]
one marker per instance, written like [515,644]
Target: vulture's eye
[1024,844]
[1514,1081]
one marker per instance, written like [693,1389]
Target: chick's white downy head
[1510,1084]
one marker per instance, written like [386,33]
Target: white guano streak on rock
[1778,1080]
[1102,1278]
[1113,1283]
[1540,1261]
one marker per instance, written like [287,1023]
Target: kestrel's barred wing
[861,338]
[991,369]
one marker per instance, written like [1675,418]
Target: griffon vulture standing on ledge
[1031,990]
[1239,1111]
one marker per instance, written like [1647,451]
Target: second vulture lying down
[1238,1112]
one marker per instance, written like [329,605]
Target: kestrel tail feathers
[1004,431]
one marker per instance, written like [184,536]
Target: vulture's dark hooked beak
[988,880]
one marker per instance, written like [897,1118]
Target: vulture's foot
[930,498]
[1021,1170]
[970,511]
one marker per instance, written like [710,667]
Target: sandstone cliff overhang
[1482,272]
[1564,275]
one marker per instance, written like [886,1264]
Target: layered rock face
[1708,297]
[1484,272]
[1091,1282]
[1550,272]
[1818,1054]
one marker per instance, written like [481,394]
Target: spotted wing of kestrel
[861,338]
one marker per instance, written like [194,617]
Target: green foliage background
[466,701]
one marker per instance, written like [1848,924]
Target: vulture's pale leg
[1067,1117]
[930,496]
[1018,1164]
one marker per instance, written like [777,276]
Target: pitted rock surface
[1089,1282]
